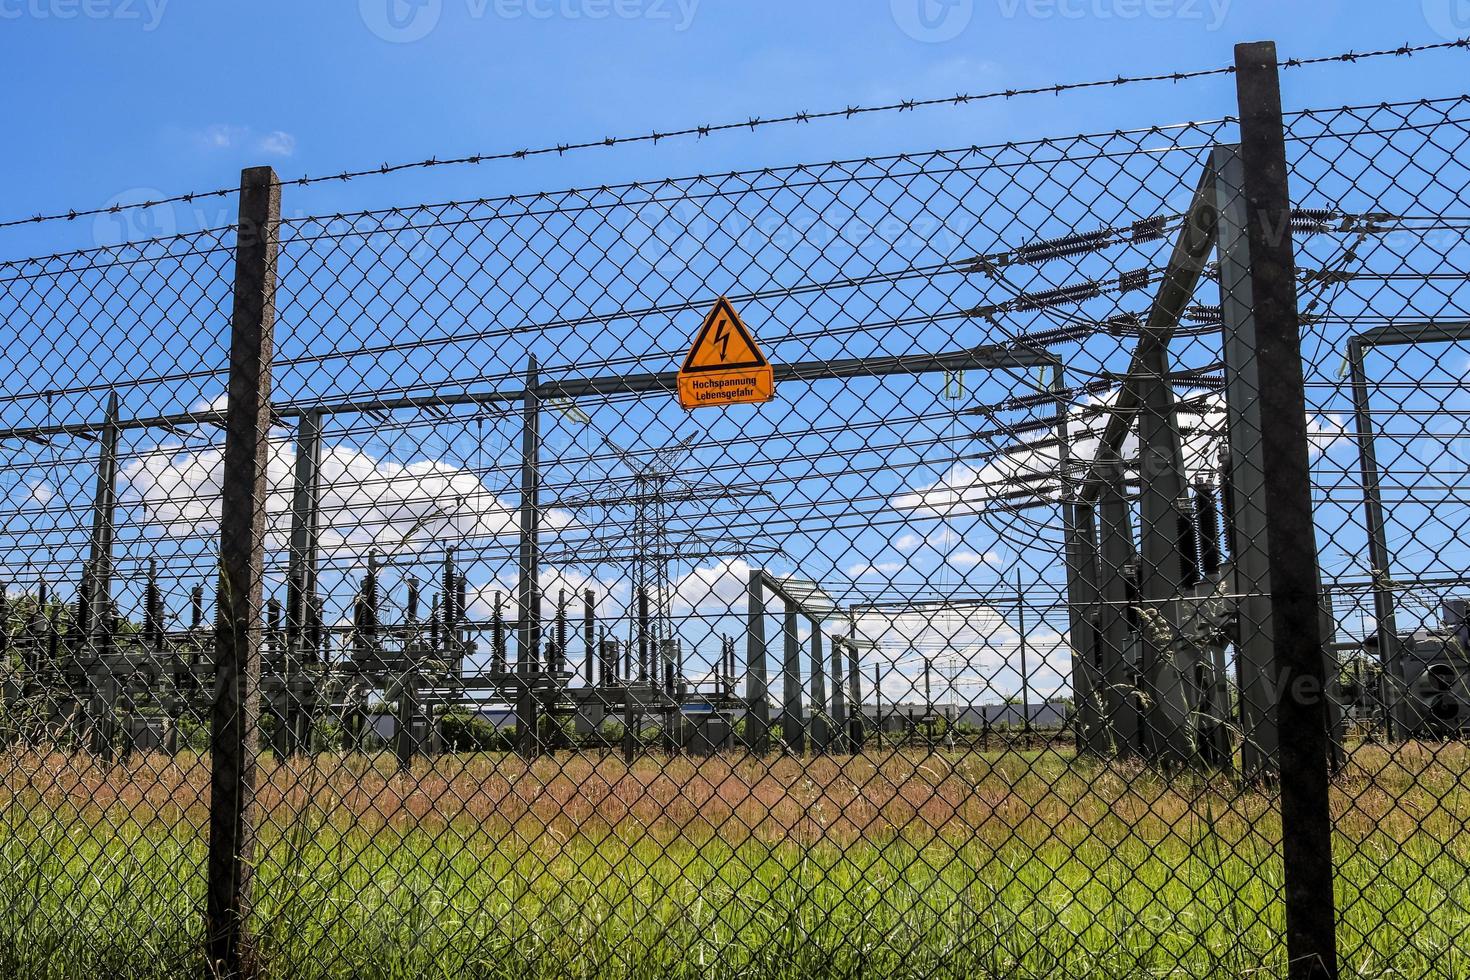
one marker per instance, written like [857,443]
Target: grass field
[899,865]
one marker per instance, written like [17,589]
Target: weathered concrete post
[235,713]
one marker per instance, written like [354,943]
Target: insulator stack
[1207,517]
[1189,563]
[498,661]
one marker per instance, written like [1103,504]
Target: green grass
[116,891]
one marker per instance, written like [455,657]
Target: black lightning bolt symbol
[722,337]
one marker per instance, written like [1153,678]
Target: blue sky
[119,97]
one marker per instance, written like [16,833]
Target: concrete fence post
[1296,611]
[235,712]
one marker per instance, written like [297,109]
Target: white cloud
[365,501]
[908,542]
[973,653]
[718,588]
[943,540]
[1325,433]
[610,596]
[1032,471]
[969,559]
[886,568]
[41,491]
[222,136]
[229,136]
[278,143]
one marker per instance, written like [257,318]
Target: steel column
[529,590]
[1385,614]
[1168,663]
[757,713]
[1120,699]
[1246,517]
[793,723]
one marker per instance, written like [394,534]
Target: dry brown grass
[994,797]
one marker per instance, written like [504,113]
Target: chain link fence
[1088,599]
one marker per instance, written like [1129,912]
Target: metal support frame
[1079,549]
[841,737]
[528,588]
[1145,396]
[798,728]
[857,729]
[1022,652]
[1181,278]
[757,712]
[1120,698]
[1246,516]
[301,576]
[793,716]
[1385,618]
[986,358]
[96,621]
[1088,684]
[821,732]
[1168,665]
[1385,612]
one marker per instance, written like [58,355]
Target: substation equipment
[89,678]
[1160,614]
[1158,609]
[1423,688]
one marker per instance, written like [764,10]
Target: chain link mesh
[954,659]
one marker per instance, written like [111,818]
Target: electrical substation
[1037,557]
[555,607]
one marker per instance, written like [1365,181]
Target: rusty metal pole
[235,715]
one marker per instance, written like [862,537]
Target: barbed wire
[751,124]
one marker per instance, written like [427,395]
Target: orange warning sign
[725,367]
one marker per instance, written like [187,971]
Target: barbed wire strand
[751,124]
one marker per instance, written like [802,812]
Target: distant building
[385,725]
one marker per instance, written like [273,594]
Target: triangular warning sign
[723,343]
[725,366]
